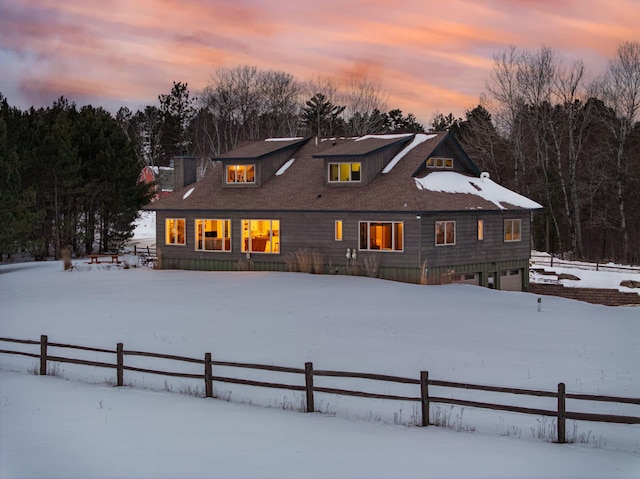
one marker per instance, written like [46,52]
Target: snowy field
[77,425]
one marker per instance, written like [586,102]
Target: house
[161,176]
[407,207]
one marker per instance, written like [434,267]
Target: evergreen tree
[321,117]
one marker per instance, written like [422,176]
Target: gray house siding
[315,231]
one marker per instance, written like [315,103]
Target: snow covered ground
[76,425]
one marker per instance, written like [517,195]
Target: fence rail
[309,388]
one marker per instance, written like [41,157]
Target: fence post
[120,361]
[561,414]
[208,376]
[308,381]
[424,395]
[43,354]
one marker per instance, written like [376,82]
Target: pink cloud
[427,56]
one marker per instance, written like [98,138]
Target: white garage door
[511,280]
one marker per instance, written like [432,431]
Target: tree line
[543,128]
[68,179]
[570,142]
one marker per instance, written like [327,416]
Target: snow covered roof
[403,184]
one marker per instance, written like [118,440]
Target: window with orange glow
[175,231]
[261,236]
[241,174]
[338,230]
[381,236]
[445,233]
[512,230]
[344,172]
[213,235]
[480,230]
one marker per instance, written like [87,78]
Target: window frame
[176,234]
[249,247]
[244,180]
[338,230]
[351,171]
[480,230]
[440,163]
[445,235]
[226,222]
[512,222]
[395,248]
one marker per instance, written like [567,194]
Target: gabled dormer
[448,155]
[253,162]
[358,162]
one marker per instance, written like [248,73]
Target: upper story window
[512,230]
[344,172]
[261,236]
[175,231]
[241,174]
[381,236]
[445,233]
[440,163]
[213,235]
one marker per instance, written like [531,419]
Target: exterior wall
[316,231]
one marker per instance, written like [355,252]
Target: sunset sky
[428,56]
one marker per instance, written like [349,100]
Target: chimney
[184,171]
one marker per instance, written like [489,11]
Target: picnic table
[95,258]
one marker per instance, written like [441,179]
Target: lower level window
[175,231]
[445,233]
[512,230]
[261,236]
[381,236]
[213,235]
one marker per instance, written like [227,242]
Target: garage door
[511,280]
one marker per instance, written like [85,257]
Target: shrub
[372,265]
[65,254]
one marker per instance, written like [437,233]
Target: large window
[512,230]
[213,235]
[261,236]
[381,236]
[344,172]
[445,233]
[241,174]
[175,231]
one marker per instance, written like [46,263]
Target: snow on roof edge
[419,138]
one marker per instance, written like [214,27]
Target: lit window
[241,174]
[480,230]
[338,230]
[174,231]
[445,233]
[261,236]
[213,235]
[344,172]
[440,163]
[512,230]
[381,236]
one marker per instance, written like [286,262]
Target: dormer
[253,162]
[357,162]
[448,156]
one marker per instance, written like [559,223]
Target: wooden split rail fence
[561,413]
